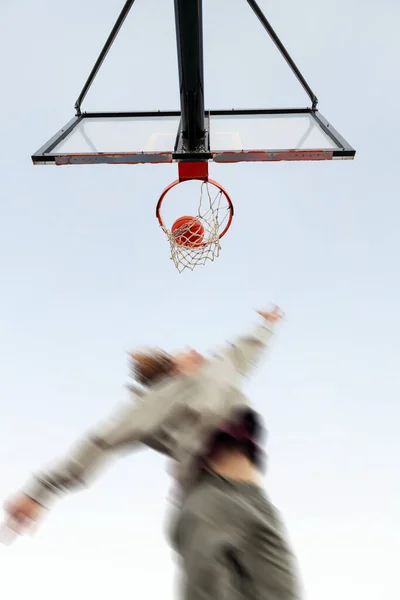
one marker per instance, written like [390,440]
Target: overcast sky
[86,275]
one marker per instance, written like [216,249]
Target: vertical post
[189,35]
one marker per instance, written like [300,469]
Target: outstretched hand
[273,316]
[22,516]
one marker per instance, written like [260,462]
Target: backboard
[194,136]
[194,133]
[230,136]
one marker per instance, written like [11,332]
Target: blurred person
[229,536]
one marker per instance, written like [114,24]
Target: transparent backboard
[277,132]
[233,136]
[121,134]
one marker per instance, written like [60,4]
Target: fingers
[276,310]
[15,526]
[16,523]
[276,314]
[10,530]
[7,535]
[22,515]
[279,312]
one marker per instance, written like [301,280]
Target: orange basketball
[189,231]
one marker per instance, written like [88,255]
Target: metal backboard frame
[338,148]
[193,140]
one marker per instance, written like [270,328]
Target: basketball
[188,231]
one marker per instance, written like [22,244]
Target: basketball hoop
[196,239]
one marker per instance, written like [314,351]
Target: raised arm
[246,351]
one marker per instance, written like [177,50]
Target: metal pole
[110,40]
[189,35]
[266,24]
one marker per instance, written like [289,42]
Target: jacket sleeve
[128,426]
[245,352]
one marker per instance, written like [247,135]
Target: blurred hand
[22,516]
[272,315]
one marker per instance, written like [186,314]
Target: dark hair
[148,367]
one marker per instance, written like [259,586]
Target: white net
[195,240]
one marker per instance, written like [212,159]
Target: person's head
[148,367]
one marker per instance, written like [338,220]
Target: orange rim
[206,180]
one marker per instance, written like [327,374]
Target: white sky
[85,275]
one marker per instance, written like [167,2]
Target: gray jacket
[176,417]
